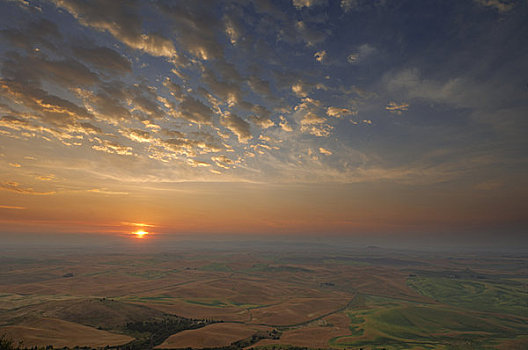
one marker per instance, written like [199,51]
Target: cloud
[137,135]
[172,133]
[64,134]
[463,91]
[48,108]
[310,35]
[489,185]
[105,191]
[397,108]
[229,92]
[232,29]
[348,5]
[104,58]
[197,163]
[175,90]
[196,27]
[312,118]
[26,5]
[300,89]
[315,125]
[180,145]
[499,5]
[144,99]
[112,147]
[90,128]
[195,111]
[235,70]
[15,187]
[14,207]
[67,73]
[15,123]
[325,151]
[320,56]
[34,34]
[284,124]
[299,4]
[261,87]
[223,161]
[48,177]
[238,126]
[106,104]
[262,121]
[360,54]
[122,22]
[337,112]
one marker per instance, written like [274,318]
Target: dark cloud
[144,99]
[121,19]
[104,58]
[40,32]
[49,108]
[225,90]
[262,121]
[67,73]
[261,87]
[238,126]
[91,129]
[112,147]
[195,111]
[175,90]
[195,27]
[107,107]
[189,147]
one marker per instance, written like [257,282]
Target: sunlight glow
[140,233]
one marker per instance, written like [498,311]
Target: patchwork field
[236,298]
[45,331]
[214,335]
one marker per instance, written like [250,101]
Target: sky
[325,117]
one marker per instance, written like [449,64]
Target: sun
[140,233]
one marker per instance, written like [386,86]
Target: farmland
[264,298]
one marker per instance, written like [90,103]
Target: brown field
[514,344]
[215,335]
[296,311]
[320,300]
[190,310]
[316,334]
[316,337]
[44,331]
[103,313]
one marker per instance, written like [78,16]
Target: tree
[6,343]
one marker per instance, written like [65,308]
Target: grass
[355,321]
[216,267]
[158,297]
[398,324]
[276,268]
[347,262]
[151,274]
[213,303]
[506,297]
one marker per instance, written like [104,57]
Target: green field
[399,324]
[216,267]
[498,296]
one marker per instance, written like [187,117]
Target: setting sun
[140,233]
